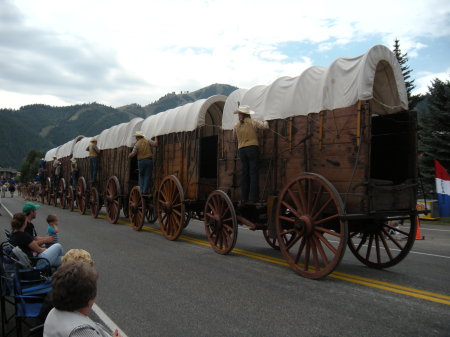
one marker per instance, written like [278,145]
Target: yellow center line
[391,287]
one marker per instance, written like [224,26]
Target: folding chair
[23,286]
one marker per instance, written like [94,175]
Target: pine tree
[434,135]
[406,71]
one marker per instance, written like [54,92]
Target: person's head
[73,160]
[93,140]
[18,221]
[29,209]
[79,255]
[138,135]
[52,219]
[74,286]
[244,112]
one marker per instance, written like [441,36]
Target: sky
[121,52]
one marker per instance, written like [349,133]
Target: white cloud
[424,80]
[120,52]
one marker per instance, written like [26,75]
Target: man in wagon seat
[246,130]
[144,152]
[93,158]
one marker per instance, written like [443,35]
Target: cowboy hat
[244,109]
[138,134]
[93,140]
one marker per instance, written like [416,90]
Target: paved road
[152,287]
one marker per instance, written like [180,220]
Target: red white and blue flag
[442,189]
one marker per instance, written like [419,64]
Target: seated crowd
[74,283]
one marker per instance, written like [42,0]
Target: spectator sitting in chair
[29,246]
[30,211]
[74,290]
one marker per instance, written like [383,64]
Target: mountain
[43,127]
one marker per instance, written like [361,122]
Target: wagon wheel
[310,232]
[41,193]
[48,190]
[221,225]
[380,245]
[170,207]
[112,199]
[150,211]
[136,208]
[69,196]
[62,193]
[94,202]
[81,195]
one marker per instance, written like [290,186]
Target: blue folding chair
[24,287]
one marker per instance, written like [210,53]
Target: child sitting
[52,228]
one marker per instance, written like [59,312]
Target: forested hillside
[42,127]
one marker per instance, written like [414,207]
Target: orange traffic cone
[418,236]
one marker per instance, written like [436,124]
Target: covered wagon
[185,163]
[338,161]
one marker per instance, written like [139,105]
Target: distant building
[8,172]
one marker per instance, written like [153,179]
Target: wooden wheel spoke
[300,249]
[377,248]
[331,217]
[293,242]
[369,247]
[301,192]
[386,246]
[326,242]
[307,254]
[286,218]
[292,209]
[324,230]
[294,198]
[314,254]
[322,208]
[393,239]
[321,251]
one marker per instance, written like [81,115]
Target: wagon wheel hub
[167,207]
[305,224]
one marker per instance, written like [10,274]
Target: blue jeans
[249,156]
[145,167]
[93,165]
[53,254]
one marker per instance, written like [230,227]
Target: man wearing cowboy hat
[143,150]
[74,171]
[56,170]
[248,149]
[93,158]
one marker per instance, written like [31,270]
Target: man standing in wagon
[247,136]
[94,151]
[144,152]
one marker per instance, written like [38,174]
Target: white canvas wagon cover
[119,135]
[375,75]
[50,154]
[66,149]
[187,117]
